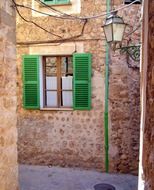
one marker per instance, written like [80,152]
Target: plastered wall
[8,131]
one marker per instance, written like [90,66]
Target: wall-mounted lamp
[114,28]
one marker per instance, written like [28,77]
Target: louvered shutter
[31,94]
[56,1]
[82,81]
[49,1]
[62,1]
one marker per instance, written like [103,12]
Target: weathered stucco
[8,132]
[76,138]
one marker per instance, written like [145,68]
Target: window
[130,1]
[57,81]
[56,2]
[66,81]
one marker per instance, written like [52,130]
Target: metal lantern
[114,28]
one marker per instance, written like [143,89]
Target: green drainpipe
[106,101]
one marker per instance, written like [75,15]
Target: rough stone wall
[65,138]
[8,132]
[148,141]
[124,116]
[70,138]
[124,99]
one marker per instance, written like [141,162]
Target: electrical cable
[75,17]
[37,25]
[96,16]
[43,13]
[60,40]
[85,19]
[134,30]
[55,10]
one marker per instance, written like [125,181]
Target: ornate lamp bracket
[133,51]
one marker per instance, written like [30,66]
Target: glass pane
[51,83]
[118,31]
[66,66]
[67,100]
[51,99]
[108,32]
[67,83]
[51,67]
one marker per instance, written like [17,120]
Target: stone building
[8,131]
[8,135]
[61,122]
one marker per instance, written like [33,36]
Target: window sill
[56,109]
[55,5]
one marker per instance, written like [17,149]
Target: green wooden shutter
[50,1]
[54,2]
[31,88]
[62,1]
[82,81]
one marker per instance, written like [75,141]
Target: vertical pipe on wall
[106,101]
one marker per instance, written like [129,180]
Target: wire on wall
[62,15]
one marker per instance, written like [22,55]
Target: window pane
[58,76]
[51,66]
[67,100]
[51,99]
[66,66]
[67,80]
[67,83]
[51,83]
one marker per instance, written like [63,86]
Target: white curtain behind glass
[51,84]
[67,95]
